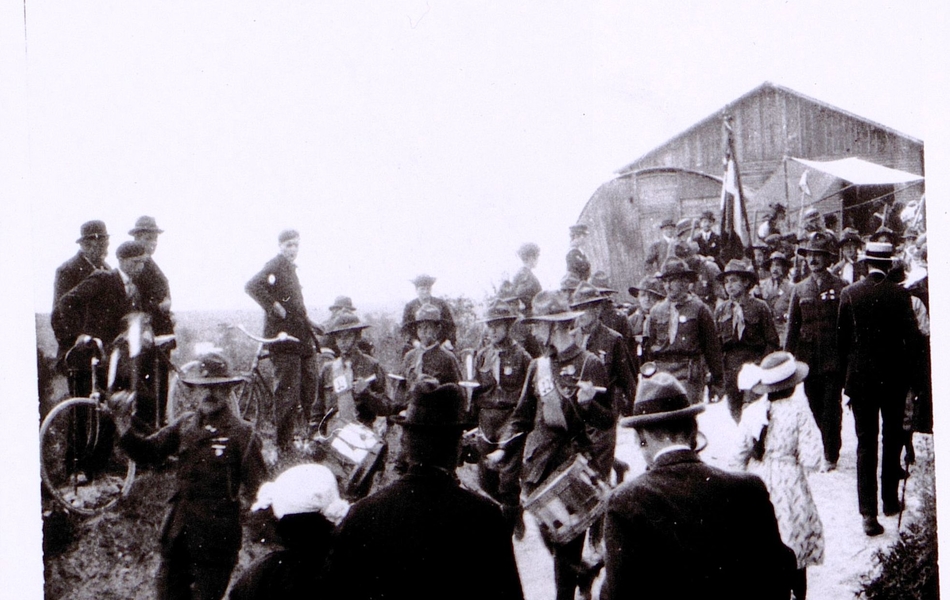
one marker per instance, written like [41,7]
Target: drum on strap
[569,501]
[355,454]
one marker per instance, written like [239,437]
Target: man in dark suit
[877,341]
[812,316]
[277,290]
[424,536]
[707,239]
[93,246]
[424,295]
[157,303]
[685,529]
[219,457]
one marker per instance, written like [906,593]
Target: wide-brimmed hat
[433,407]
[601,281]
[213,369]
[648,284]
[423,280]
[306,488]
[779,371]
[780,257]
[667,223]
[675,268]
[427,312]
[92,230]
[739,267]
[877,251]
[145,225]
[849,235]
[585,295]
[660,397]
[551,307]
[819,241]
[570,282]
[342,303]
[344,321]
[499,311]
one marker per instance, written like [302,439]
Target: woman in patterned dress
[779,441]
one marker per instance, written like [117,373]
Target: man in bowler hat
[685,529]
[424,536]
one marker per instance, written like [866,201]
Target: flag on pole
[803,184]
[735,232]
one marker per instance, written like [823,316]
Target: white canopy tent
[860,172]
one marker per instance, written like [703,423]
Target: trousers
[889,408]
[824,399]
[296,390]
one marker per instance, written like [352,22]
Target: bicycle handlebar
[283,336]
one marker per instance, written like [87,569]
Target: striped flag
[735,232]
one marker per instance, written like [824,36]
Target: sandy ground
[848,552]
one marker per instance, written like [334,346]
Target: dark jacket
[277,282]
[578,263]
[696,335]
[610,347]
[371,403]
[812,318]
[424,537]
[526,286]
[878,337]
[759,335]
[153,289]
[513,362]
[71,272]
[710,247]
[686,530]
[218,456]
[94,307]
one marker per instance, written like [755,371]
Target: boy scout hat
[739,267]
[585,295]
[423,280]
[600,281]
[849,235]
[213,369]
[428,312]
[145,224]
[433,407]
[550,307]
[499,311]
[648,284]
[660,397]
[92,230]
[677,268]
[344,321]
[779,371]
[819,241]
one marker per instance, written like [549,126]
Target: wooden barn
[779,136]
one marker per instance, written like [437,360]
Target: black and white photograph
[422,299]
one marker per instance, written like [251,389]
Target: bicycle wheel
[80,462]
[253,399]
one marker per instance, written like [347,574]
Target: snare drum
[569,501]
[355,454]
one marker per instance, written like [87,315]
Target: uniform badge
[508,370]
[271,279]
[568,370]
[682,318]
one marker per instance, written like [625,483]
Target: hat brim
[638,420]
[138,230]
[357,327]
[554,318]
[511,319]
[864,257]
[211,381]
[804,251]
[95,236]
[633,291]
[801,372]
[690,274]
[587,302]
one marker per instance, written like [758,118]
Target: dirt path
[848,552]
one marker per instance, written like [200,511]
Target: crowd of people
[779,333]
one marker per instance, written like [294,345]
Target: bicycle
[81,466]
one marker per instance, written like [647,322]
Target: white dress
[792,444]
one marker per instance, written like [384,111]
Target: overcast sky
[413,136]
[398,137]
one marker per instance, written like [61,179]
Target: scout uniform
[746,331]
[777,293]
[812,327]
[683,338]
[432,361]
[500,370]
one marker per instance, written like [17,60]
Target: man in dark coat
[685,529]
[93,246]
[277,290]
[157,303]
[424,295]
[219,456]
[707,239]
[423,536]
[811,338]
[878,340]
[577,262]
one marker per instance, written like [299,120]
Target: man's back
[424,537]
[685,529]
